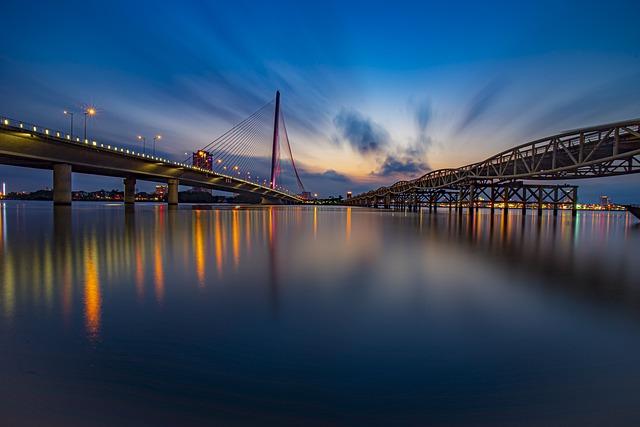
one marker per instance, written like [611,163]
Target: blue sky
[373,91]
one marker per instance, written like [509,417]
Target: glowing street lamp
[89,111]
[157,137]
[70,114]
[144,144]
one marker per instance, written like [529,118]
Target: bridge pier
[62,184]
[129,191]
[540,198]
[172,194]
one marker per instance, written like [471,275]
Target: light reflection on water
[293,315]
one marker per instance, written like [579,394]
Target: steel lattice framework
[598,151]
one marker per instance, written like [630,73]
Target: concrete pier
[129,191]
[62,184]
[172,196]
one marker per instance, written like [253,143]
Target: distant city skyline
[371,94]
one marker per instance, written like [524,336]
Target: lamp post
[157,137]
[89,111]
[144,144]
[70,114]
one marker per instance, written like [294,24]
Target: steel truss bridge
[599,151]
[244,160]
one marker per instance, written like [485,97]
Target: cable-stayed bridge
[253,158]
[593,152]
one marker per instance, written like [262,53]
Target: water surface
[316,316]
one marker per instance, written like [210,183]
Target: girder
[598,151]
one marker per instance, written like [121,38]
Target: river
[316,315]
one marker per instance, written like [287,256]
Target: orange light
[91,111]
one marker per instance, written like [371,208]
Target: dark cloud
[363,134]
[401,167]
[482,102]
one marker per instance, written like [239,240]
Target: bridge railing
[64,137]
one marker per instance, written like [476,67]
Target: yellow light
[158,136]
[91,111]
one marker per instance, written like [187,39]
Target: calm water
[316,316]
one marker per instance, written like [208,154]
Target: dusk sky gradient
[373,92]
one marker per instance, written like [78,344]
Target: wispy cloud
[481,103]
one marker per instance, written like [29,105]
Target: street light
[158,137]
[70,114]
[144,144]
[89,111]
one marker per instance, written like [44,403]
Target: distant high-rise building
[161,191]
[349,194]
[604,201]
[202,159]
[4,190]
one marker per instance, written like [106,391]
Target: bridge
[513,176]
[234,162]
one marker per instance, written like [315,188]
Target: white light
[6,122]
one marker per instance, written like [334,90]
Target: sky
[372,92]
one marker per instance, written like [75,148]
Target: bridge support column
[493,200]
[387,201]
[472,198]
[505,199]
[129,191]
[172,195]
[574,205]
[61,184]
[539,201]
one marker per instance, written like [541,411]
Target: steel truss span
[598,151]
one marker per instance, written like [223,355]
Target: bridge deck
[36,147]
